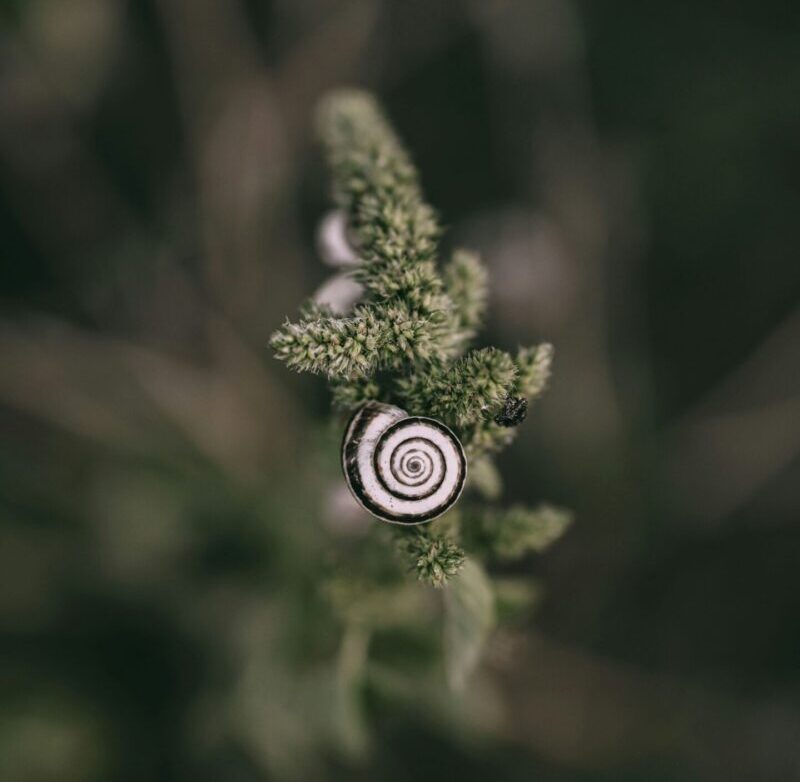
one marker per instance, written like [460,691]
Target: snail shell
[339,294]
[342,292]
[334,242]
[403,469]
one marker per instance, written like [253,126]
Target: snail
[335,242]
[336,248]
[403,469]
[339,294]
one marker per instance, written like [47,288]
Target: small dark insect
[513,412]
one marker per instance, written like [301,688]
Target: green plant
[407,342]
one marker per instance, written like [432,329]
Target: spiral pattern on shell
[403,469]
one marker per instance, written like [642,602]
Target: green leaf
[513,532]
[351,724]
[485,478]
[469,616]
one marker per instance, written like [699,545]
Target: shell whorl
[403,469]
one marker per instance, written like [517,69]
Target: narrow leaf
[469,616]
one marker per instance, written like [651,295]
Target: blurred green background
[168,493]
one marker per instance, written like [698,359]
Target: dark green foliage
[463,392]
[513,532]
[467,284]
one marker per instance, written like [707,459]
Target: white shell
[403,469]
[333,243]
[339,294]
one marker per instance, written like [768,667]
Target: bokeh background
[631,173]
